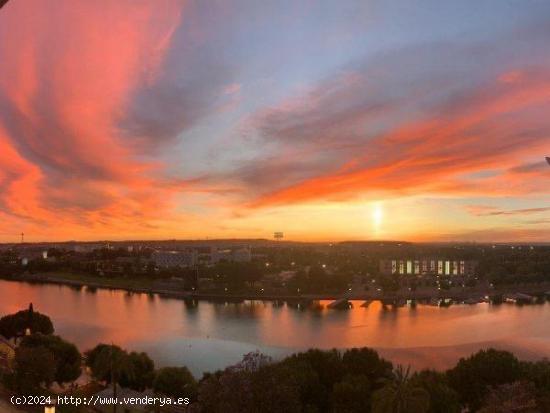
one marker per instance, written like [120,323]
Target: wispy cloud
[404,125]
[127,117]
[482,210]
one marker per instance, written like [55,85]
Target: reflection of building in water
[428,266]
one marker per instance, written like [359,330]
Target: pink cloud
[66,78]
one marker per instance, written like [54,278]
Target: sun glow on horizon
[377,217]
[126,122]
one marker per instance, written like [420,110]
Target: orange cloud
[67,75]
[488,128]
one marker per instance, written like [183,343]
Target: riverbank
[145,286]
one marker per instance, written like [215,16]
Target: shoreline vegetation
[538,293]
[355,380]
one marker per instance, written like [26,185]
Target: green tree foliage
[34,367]
[111,364]
[517,397]
[472,376]
[366,361]
[226,391]
[142,372]
[315,381]
[274,390]
[91,357]
[538,373]
[317,279]
[235,275]
[16,325]
[352,394]
[175,382]
[316,371]
[67,358]
[312,381]
[270,389]
[443,399]
[388,283]
[400,395]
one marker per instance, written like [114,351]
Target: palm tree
[111,364]
[399,395]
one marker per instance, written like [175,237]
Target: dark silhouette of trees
[352,394]
[175,382]
[366,361]
[443,399]
[142,372]
[400,395]
[111,364]
[473,376]
[25,321]
[33,367]
[517,397]
[67,358]
[312,381]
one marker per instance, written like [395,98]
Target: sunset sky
[413,120]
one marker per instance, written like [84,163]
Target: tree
[142,369]
[16,325]
[316,372]
[472,376]
[175,382]
[253,361]
[352,395]
[400,395]
[274,389]
[90,356]
[517,397]
[538,373]
[226,391]
[33,367]
[366,361]
[66,356]
[443,399]
[388,283]
[271,388]
[109,363]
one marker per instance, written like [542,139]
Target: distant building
[428,266]
[242,255]
[29,254]
[235,254]
[175,258]
[206,255]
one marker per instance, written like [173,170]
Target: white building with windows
[428,266]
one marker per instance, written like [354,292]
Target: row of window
[439,267]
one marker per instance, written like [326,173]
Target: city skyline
[364,120]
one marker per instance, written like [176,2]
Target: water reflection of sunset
[174,330]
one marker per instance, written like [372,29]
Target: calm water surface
[213,335]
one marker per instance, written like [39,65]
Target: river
[208,336]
